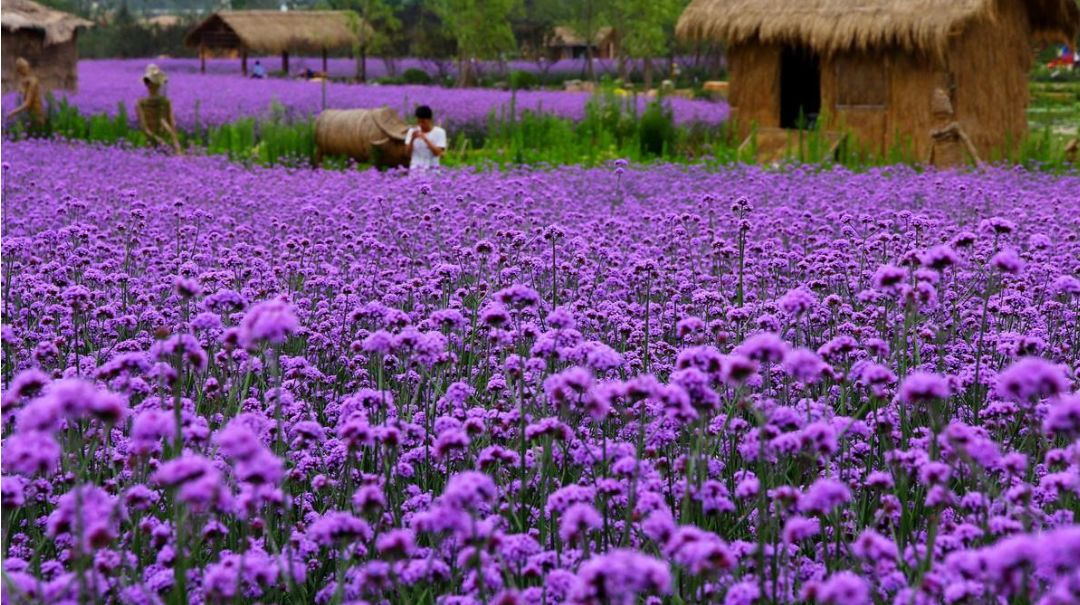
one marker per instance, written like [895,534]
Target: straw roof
[563,35]
[58,27]
[164,20]
[834,25]
[274,32]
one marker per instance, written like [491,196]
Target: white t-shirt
[422,158]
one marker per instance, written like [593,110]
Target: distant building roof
[164,20]
[563,35]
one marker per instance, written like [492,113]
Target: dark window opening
[800,88]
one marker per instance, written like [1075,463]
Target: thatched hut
[870,67]
[565,43]
[271,32]
[44,37]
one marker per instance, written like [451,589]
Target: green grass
[1055,106]
[612,128]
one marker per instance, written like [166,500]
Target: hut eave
[830,26]
[57,26]
[274,32]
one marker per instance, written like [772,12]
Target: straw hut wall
[870,67]
[44,37]
[276,33]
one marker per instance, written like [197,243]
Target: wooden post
[285,62]
[243,60]
[202,58]
[326,72]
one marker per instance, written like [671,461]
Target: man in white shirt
[426,142]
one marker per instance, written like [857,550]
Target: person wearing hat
[30,93]
[155,111]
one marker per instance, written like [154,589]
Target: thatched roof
[273,32]
[58,27]
[163,20]
[834,25]
[563,35]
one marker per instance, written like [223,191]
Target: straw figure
[29,93]
[949,145]
[156,117]
[1071,150]
[364,135]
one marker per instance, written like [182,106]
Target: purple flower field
[597,386]
[223,95]
[342,67]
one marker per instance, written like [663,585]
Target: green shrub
[415,75]
[656,130]
[523,80]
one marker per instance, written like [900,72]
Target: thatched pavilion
[44,37]
[870,67]
[275,32]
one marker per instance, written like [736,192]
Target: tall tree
[481,29]
[646,29]
[375,27]
[586,18]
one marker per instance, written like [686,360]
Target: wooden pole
[243,61]
[325,71]
[202,58]
[285,62]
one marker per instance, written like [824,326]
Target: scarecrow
[30,94]
[949,145]
[155,111]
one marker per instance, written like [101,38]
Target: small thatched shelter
[44,37]
[565,43]
[275,32]
[870,67]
